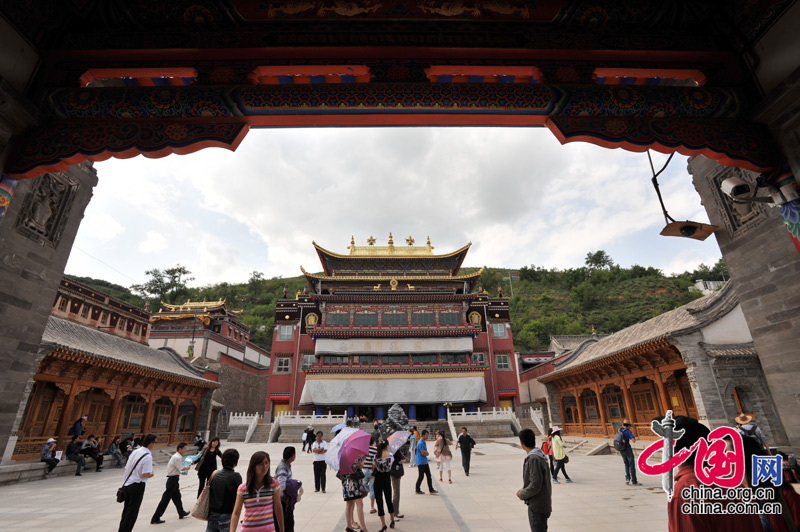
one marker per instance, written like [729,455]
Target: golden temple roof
[390,250]
[197,305]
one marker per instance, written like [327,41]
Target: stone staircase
[527,423]
[261,434]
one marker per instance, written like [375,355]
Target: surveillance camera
[736,188]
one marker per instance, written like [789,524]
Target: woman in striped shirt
[259,496]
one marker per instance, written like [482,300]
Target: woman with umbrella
[353,491]
[381,466]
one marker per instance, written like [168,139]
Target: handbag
[120,490]
[200,510]
[566,459]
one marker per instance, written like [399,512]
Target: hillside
[544,302]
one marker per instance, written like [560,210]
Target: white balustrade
[289,418]
[241,418]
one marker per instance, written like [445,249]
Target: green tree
[166,285]
[598,260]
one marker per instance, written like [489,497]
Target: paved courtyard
[598,500]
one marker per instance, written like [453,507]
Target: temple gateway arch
[85,82]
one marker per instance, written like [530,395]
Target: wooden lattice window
[337,319]
[590,406]
[423,319]
[450,318]
[162,411]
[84,311]
[365,319]
[614,402]
[397,319]
[133,414]
[62,304]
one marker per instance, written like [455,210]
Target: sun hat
[744,419]
[556,428]
[51,440]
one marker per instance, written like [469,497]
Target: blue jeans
[218,522]
[630,465]
[369,482]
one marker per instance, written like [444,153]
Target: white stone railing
[452,426]
[538,419]
[273,430]
[252,428]
[495,414]
[240,418]
[289,418]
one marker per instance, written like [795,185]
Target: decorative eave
[393,333]
[75,355]
[199,305]
[379,372]
[205,318]
[638,349]
[386,278]
[404,295]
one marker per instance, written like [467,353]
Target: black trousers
[79,460]
[319,475]
[171,493]
[134,493]
[465,457]
[383,490]
[424,469]
[288,517]
[203,479]
[51,464]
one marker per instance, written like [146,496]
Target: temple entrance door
[506,403]
[280,409]
[426,412]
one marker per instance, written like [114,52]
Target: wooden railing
[596,430]
[186,437]
[573,429]
[27,448]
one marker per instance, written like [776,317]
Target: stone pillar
[765,272]
[36,236]
[711,405]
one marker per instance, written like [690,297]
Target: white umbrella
[397,440]
[335,445]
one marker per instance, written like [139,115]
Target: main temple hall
[392,324]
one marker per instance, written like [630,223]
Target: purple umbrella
[353,448]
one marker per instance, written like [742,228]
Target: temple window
[502,362]
[499,330]
[366,360]
[423,319]
[479,358]
[395,359]
[162,411]
[742,402]
[450,318]
[121,324]
[425,359]
[399,319]
[136,329]
[62,304]
[615,405]
[283,365]
[365,319]
[339,319]
[133,414]
[308,361]
[451,358]
[85,311]
[590,406]
[103,318]
[285,332]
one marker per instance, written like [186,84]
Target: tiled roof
[678,321]
[567,342]
[76,337]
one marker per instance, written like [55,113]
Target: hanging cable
[667,217]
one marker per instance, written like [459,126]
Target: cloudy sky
[518,195]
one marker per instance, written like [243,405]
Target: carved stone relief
[46,209]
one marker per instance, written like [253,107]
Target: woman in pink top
[259,496]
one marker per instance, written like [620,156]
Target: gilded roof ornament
[371,240]
[410,241]
[391,242]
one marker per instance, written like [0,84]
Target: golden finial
[429,244]
[410,241]
[371,241]
[352,240]
[391,242]
[593,330]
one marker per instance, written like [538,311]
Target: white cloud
[101,226]
[153,243]
[516,193]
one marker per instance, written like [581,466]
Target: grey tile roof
[76,337]
[737,350]
[674,322]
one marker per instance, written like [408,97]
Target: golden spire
[410,241]
[371,240]
[391,242]
[429,244]
[352,245]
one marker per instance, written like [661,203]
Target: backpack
[620,441]
[546,446]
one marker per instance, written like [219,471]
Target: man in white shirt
[173,489]
[319,448]
[138,469]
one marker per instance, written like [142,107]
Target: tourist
[198,442]
[397,473]
[172,492]
[283,473]
[90,449]
[413,442]
[353,491]
[536,489]
[310,436]
[559,454]
[125,447]
[319,448]
[73,453]
[261,498]
[422,464]
[628,457]
[441,450]
[77,428]
[369,479]
[547,449]
[381,467]
[115,452]
[466,443]
[46,455]
[207,464]
[222,493]
[138,469]
[746,427]
[685,478]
